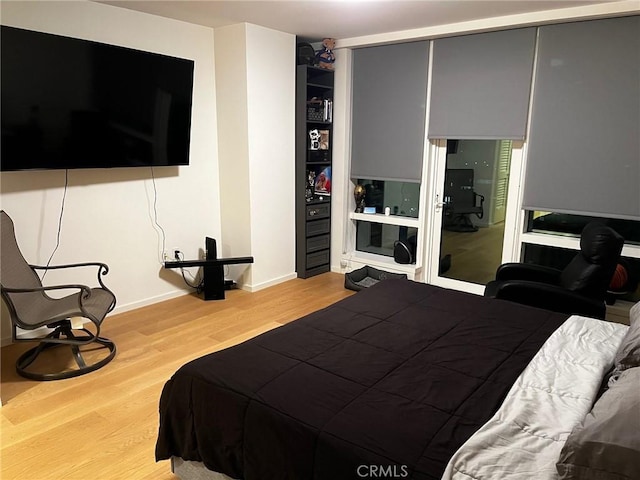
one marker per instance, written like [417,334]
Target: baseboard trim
[8,340]
[149,301]
[174,294]
[270,283]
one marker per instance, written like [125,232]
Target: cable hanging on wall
[156,225]
[64,197]
[197,282]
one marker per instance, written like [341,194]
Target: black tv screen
[71,103]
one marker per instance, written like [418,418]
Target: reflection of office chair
[461,200]
[580,288]
[31,308]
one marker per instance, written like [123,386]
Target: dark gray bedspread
[394,378]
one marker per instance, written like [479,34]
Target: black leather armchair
[580,288]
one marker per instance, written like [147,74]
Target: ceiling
[315,19]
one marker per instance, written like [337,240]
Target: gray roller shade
[481,85]
[584,142]
[388,111]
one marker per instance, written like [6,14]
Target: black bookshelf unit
[314,142]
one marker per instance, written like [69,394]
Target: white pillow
[628,354]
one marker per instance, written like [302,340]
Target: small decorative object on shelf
[324,140]
[320,156]
[315,110]
[358,194]
[305,54]
[325,56]
[311,181]
[319,110]
[314,139]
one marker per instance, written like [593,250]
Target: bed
[401,380]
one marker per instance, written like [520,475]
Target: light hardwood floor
[103,425]
[475,256]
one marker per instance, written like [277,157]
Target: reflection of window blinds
[504,160]
[502,181]
[501,193]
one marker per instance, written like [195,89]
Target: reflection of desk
[213,269]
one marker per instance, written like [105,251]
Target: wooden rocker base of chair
[30,356]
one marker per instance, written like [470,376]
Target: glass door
[472,229]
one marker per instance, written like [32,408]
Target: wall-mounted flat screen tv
[71,103]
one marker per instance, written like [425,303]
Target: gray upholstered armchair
[32,308]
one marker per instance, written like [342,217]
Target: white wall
[108,212]
[255,72]
[270,87]
[233,149]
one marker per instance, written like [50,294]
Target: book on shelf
[327,110]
